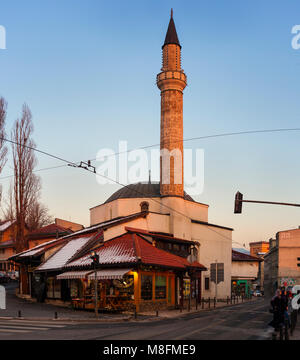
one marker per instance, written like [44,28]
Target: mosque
[153,238]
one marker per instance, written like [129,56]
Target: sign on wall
[2,298]
[287,282]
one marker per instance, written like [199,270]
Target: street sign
[2,298]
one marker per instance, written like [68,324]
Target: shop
[119,289]
[241,288]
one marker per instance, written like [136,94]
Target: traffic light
[238,203]
[95,258]
[298,264]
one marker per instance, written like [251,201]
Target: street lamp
[95,262]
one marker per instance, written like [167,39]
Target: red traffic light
[238,203]
[95,258]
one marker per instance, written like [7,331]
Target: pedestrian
[277,310]
[285,305]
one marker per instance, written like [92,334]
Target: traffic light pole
[239,201]
[96,292]
[270,202]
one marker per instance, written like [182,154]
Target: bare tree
[26,184]
[9,210]
[3,148]
[38,216]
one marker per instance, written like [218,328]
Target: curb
[65,319]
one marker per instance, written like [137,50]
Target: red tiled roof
[7,244]
[50,230]
[157,235]
[131,248]
[238,256]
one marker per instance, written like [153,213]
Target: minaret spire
[171,36]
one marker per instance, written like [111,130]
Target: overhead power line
[150,146]
[88,166]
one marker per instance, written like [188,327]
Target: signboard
[287,282]
[217,272]
[296,299]
[2,298]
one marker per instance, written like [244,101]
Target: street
[247,321]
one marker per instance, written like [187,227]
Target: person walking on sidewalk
[278,307]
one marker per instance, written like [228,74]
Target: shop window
[146,287]
[206,283]
[53,288]
[125,287]
[160,287]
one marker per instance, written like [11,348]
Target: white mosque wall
[215,244]
[124,207]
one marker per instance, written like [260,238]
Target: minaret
[171,82]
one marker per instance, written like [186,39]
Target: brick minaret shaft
[171,82]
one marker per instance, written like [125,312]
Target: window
[2,251]
[160,287]
[176,247]
[146,287]
[144,206]
[206,283]
[53,288]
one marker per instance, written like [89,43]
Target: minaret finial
[171,13]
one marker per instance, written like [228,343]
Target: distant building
[7,245]
[52,231]
[260,248]
[282,262]
[244,273]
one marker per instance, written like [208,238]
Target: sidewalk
[169,314]
[43,311]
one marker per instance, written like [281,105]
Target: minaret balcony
[171,80]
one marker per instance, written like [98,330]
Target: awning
[109,274]
[73,275]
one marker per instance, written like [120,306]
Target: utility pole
[216,279]
[95,259]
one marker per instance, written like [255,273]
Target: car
[257,293]
[4,279]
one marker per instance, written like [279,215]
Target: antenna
[171,13]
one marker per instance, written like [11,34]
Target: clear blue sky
[87,70]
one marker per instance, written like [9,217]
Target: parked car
[257,293]
[4,279]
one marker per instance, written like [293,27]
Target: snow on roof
[30,253]
[64,254]
[39,247]
[111,252]
[5,225]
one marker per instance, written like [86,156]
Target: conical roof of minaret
[171,37]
